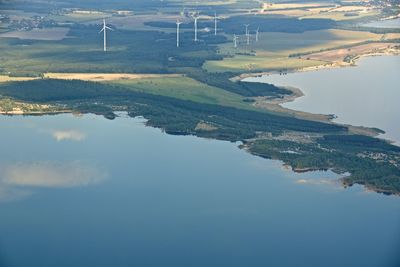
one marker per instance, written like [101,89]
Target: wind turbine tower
[178,23]
[235,39]
[257,32]
[215,24]
[247,33]
[104,30]
[247,28]
[195,17]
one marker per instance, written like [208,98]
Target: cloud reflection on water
[68,135]
[19,179]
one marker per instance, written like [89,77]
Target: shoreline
[275,104]
[327,66]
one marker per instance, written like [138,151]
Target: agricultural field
[256,64]
[320,10]
[343,16]
[47,34]
[4,78]
[272,51]
[79,17]
[338,55]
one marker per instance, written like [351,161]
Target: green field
[255,63]
[185,88]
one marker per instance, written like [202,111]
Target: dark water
[85,191]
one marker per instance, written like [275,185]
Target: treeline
[357,143]
[341,153]
[247,89]
[173,115]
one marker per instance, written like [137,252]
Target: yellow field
[342,15]
[100,77]
[389,36]
[275,6]
[319,10]
[4,78]
[93,77]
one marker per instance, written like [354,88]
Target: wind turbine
[235,38]
[215,23]
[178,23]
[247,33]
[257,32]
[195,17]
[247,28]
[104,30]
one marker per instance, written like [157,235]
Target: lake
[389,23]
[366,95]
[86,191]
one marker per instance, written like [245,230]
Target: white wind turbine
[178,23]
[247,28]
[247,33]
[195,17]
[215,24]
[104,30]
[235,39]
[257,32]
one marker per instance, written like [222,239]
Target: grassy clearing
[254,63]
[184,88]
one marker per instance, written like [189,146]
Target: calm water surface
[86,191]
[366,95]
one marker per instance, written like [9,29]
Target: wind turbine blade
[101,30]
[108,28]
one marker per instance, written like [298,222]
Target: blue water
[86,191]
[365,95]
